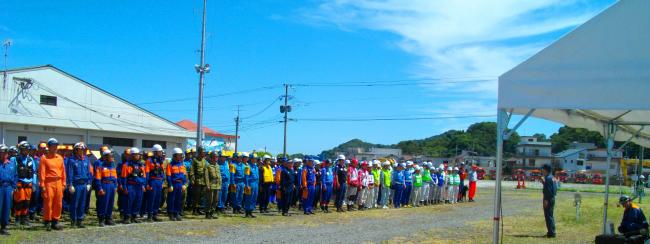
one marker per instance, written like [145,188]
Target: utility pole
[237,129]
[7,44]
[285,109]
[201,68]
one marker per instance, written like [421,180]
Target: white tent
[596,77]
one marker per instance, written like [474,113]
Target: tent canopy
[597,74]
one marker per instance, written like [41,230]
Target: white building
[585,156]
[37,103]
[532,153]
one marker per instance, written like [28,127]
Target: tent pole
[501,125]
[609,136]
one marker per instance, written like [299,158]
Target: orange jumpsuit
[51,178]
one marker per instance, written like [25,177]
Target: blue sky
[144,51]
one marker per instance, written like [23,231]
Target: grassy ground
[529,227]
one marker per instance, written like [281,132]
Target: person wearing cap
[134,173]
[473,178]
[373,187]
[155,168]
[266,175]
[251,190]
[106,185]
[224,169]
[26,169]
[213,185]
[286,185]
[354,183]
[177,185]
[52,180]
[8,179]
[408,183]
[385,184]
[426,181]
[433,184]
[442,182]
[398,183]
[634,221]
[340,183]
[297,193]
[275,167]
[197,179]
[36,202]
[549,191]
[308,185]
[122,198]
[317,187]
[454,184]
[362,193]
[417,186]
[79,179]
[187,195]
[326,185]
[237,179]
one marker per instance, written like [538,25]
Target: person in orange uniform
[51,175]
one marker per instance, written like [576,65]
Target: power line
[264,109]
[213,96]
[393,83]
[392,119]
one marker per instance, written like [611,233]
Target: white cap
[80,145]
[135,150]
[402,165]
[416,167]
[408,163]
[385,163]
[178,151]
[347,161]
[245,154]
[316,162]
[455,168]
[641,177]
[297,160]
[340,157]
[266,157]
[156,148]
[106,152]
[449,168]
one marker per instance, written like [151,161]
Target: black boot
[73,223]
[126,220]
[156,219]
[172,217]
[109,221]
[207,215]
[135,220]
[56,226]
[3,231]
[80,224]
[48,226]
[101,221]
[149,218]
[178,217]
[250,214]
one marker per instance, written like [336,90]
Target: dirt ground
[439,223]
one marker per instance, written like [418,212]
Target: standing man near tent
[549,193]
[79,178]
[51,175]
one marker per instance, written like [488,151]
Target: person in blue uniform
[26,170]
[408,183]
[398,183]
[340,183]
[634,221]
[155,176]
[106,184]
[252,180]
[308,185]
[8,178]
[79,178]
[237,179]
[122,198]
[224,168]
[549,191]
[286,185]
[134,179]
[327,184]
[177,185]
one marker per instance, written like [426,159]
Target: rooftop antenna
[6,44]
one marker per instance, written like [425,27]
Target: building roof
[191,126]
[119,125]
[569,152]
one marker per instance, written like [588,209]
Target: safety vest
[426,177]
[267,174]
[386,174]
[417,179]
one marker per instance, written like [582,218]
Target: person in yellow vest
[266,173]
[384,181]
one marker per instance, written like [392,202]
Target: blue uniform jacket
[441,179]
[225,173]
[287,178]
[78,171]
[327,177]
[100,166]
[633,220]
[238,176]
[174,177]
[550,188]
[398,178]
[408,175]
[254,177]
[434,179]
[8,174]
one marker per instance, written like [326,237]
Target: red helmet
[364,163]
[355,161]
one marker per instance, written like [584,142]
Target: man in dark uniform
[340,183]
[549,191]
[634,221]
[287,179]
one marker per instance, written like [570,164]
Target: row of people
[209,183]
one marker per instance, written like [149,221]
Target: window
[536,152]
[531,162]
[21,138]
[530,139]
[150,143]
[118,142]
[48,100]
[580,162]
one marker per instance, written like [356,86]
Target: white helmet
[449,168]
[157,148]
[409,163]
[177,150]
[245,154]
[340,157]
[316,162]
[456,168]
[106,152]
[347,161]
[641,177]
[135,150]
[386,163]
[266,157]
